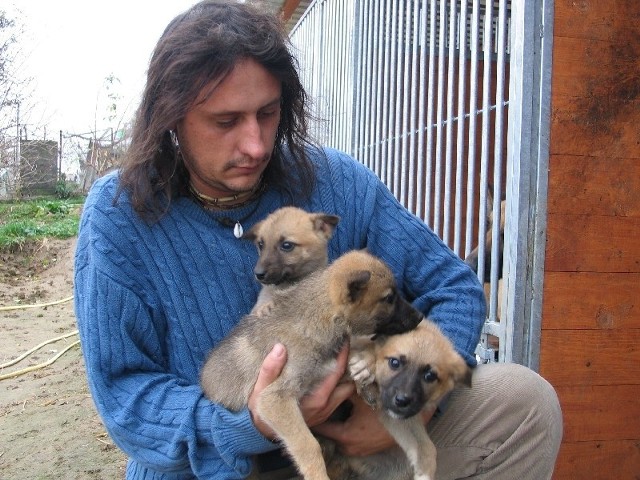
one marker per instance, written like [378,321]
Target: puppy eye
[287,246]
[260,245]
[394,363]
[390,299]
[429,375]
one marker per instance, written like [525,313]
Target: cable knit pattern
[153,299]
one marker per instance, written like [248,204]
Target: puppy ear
[462,376]
[252,233]
[325,224]
[357,284]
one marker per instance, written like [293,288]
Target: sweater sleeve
[430,275]
[157,416]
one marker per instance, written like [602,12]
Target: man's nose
[252,141]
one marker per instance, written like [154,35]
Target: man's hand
[362,433]
[269,371]
[317,406]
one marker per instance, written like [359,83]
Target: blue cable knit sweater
[152,299]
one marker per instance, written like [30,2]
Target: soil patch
[50,429]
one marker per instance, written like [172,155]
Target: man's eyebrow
[272,103]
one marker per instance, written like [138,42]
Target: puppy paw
[360,370]
[262,310]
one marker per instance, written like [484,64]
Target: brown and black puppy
[291,243]
[401,376]
[355,295]
[472,258]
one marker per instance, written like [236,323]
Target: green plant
[35,220]
[65,189]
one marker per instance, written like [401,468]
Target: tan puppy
[313,318]
[291,243]
[401,376]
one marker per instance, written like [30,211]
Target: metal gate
[447,101]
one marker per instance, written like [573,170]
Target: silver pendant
[238,230]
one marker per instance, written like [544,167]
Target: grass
[33,220]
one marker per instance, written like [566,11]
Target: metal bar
[462,85]
[451,73]
[497,161]
[388,75]
[420,200]
[370,99]
[484,160]
[397,70]
[430,114]
[377,120]
[473,103]
[437,192]
[414,163]
[358,74]
[403,160]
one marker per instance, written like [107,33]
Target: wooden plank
[588,300]
[595,80]
[585,20]
[595,125]
[594,185]
[590,357]
[597,413]
[627,18]
[598,460]
[585,243]
[578,67]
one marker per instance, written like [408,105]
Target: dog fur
[355,295]
[401,376]
[292,243]
[472,258]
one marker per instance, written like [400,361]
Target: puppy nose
[402,400]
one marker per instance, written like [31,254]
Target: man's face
[227,139]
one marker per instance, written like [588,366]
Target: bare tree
[15,108]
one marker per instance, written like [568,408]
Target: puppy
[291,243]
[472,258]
[401,376]
[355,295]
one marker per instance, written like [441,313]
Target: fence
[418,91]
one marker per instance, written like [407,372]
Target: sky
[70,47]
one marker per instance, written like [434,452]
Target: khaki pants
[507,426]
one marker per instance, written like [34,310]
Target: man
[220,141]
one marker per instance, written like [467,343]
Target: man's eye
[268,113]
[226,123]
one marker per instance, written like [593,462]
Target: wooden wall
[590,345]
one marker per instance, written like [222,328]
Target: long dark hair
[200,45]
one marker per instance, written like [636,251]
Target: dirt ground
[49,428]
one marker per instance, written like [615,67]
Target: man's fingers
[271,367]
[328,385]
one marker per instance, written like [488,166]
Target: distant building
[38,167]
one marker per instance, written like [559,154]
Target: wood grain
[582,185]
[602,412]
[591,357]
[599,460]
[591,300]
